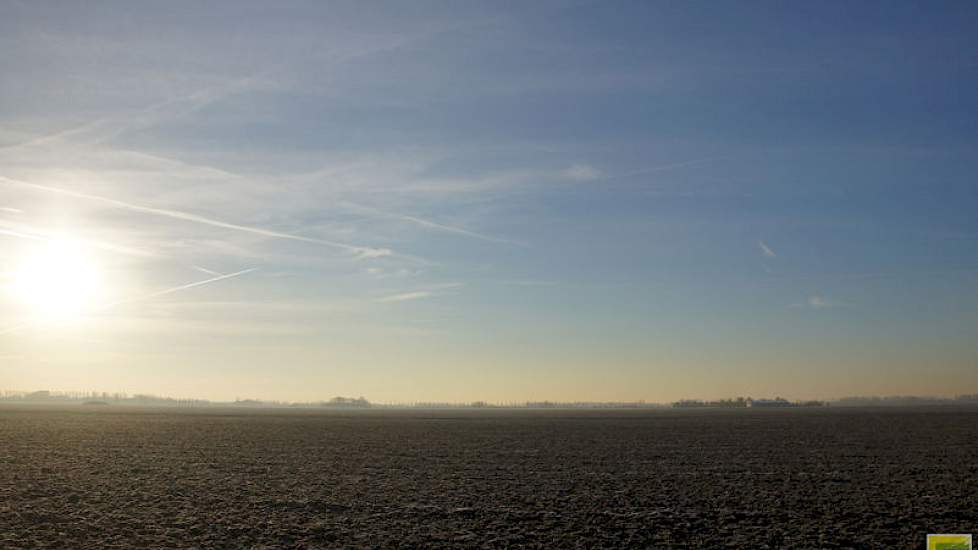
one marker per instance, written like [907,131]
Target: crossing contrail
[171,290]
[424,223]
[142,298]
[360,251]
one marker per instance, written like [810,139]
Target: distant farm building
[776,402]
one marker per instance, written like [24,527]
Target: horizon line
[80,396]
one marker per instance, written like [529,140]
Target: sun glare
[58,280]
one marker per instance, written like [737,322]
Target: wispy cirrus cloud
[816,301]
[427,292]
[102,129]
[582,172]
[406,296]
[766,250]
[670,166]
[510,179]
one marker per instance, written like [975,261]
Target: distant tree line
[736,403]
[745,402]
[905,400]
[95,398]
[143,399]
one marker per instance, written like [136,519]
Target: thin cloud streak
[197,100]
[818,302]
[405,296]
[426,292]
[766,250]
[425,223]
[666,167]
[582,172]
[527,283]
[171,290]
[359,251]
[207,271]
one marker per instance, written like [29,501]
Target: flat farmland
[215,478]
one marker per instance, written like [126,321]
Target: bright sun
[58,280]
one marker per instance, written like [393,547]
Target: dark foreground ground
[76,478]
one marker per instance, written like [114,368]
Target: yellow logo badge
[949,542]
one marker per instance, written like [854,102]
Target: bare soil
[87,477]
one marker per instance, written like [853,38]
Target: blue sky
[499,201]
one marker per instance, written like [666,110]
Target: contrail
[159,293]
[405,296]
[767,250]
[360,251]
[665,167]
[196,99]
[141,298]
[207,271]
[41,140]
[425,223]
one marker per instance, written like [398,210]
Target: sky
[500,201]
